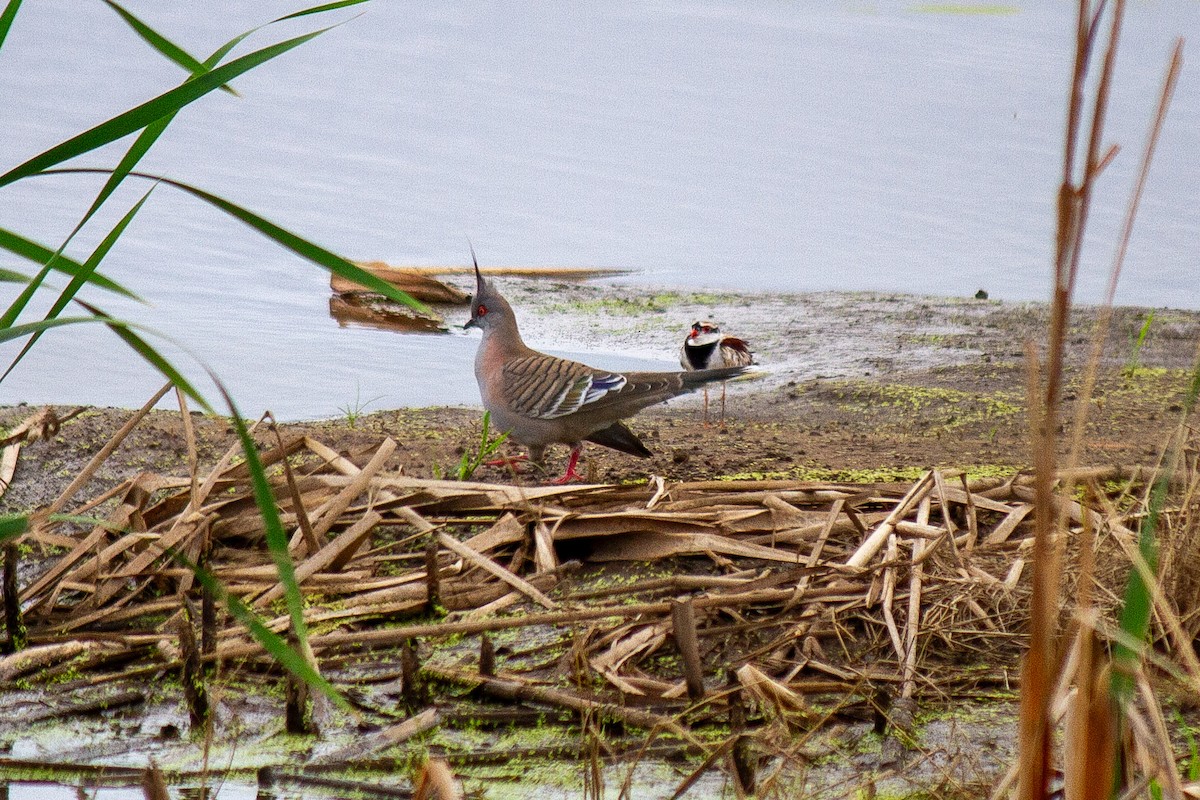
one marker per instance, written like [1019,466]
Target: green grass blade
[6,18]
[78,280]
[29,328]
[224,49]
[162,44]
[9,276]
[12,526]
[302,247]
[40,254]
[277,539]
[137,118]
[288,658]
[125,332]
[1134,621]
[321,9]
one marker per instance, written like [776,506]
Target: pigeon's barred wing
[545,387]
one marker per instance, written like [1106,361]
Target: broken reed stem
[298,716]
[154,785]
[871,545]
[683,628]
[102,455]
[487,656]
[509,689]
[433,598]
[411,685]
[208,611]
[195,691]
[740,756]
[1104,319]
[18,636]
[1044,398]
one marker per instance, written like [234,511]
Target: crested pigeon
[706,348]
[542,400]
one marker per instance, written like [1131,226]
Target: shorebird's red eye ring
[481,311]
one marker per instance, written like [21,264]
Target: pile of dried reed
[794,587]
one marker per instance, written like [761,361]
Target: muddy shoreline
[863,388]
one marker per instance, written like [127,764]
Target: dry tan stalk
[189,437]
[972,518]
[414,519]
[1014,574]
[112,615]
[944,501]
[814,555]
[919,531]
[512,689]
[633,640]
[436,782]
[299,509]
[186,526]
[154,785]
[912,622]
[1164,772]
[118,519]
[887,597]
[770,693]
[545,558]
[589,525]
[8,465]
[660,491]
[394,636]
[41,656]
[41,424]
[1164,609]
[870,547]
[331,457]
[419,284]
[328,515]
[957,495]
[649,546]
[1009,524]
[328,556]
[506,530]
[522,586]
[102,455]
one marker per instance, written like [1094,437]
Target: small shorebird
[706,348]
[542,400]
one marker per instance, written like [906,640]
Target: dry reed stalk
[372,743]
[871,546]
[512,689]
[436,782]
[522,586]
[102,455]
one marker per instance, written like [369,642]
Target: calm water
[761,146]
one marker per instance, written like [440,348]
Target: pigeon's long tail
[619,437]
[697,378]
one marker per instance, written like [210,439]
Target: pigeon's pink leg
[571,474]
[511,463]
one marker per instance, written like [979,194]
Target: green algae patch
[657,303]
[872,475]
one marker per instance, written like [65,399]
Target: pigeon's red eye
[481,311]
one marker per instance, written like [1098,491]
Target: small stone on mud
[678,456]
